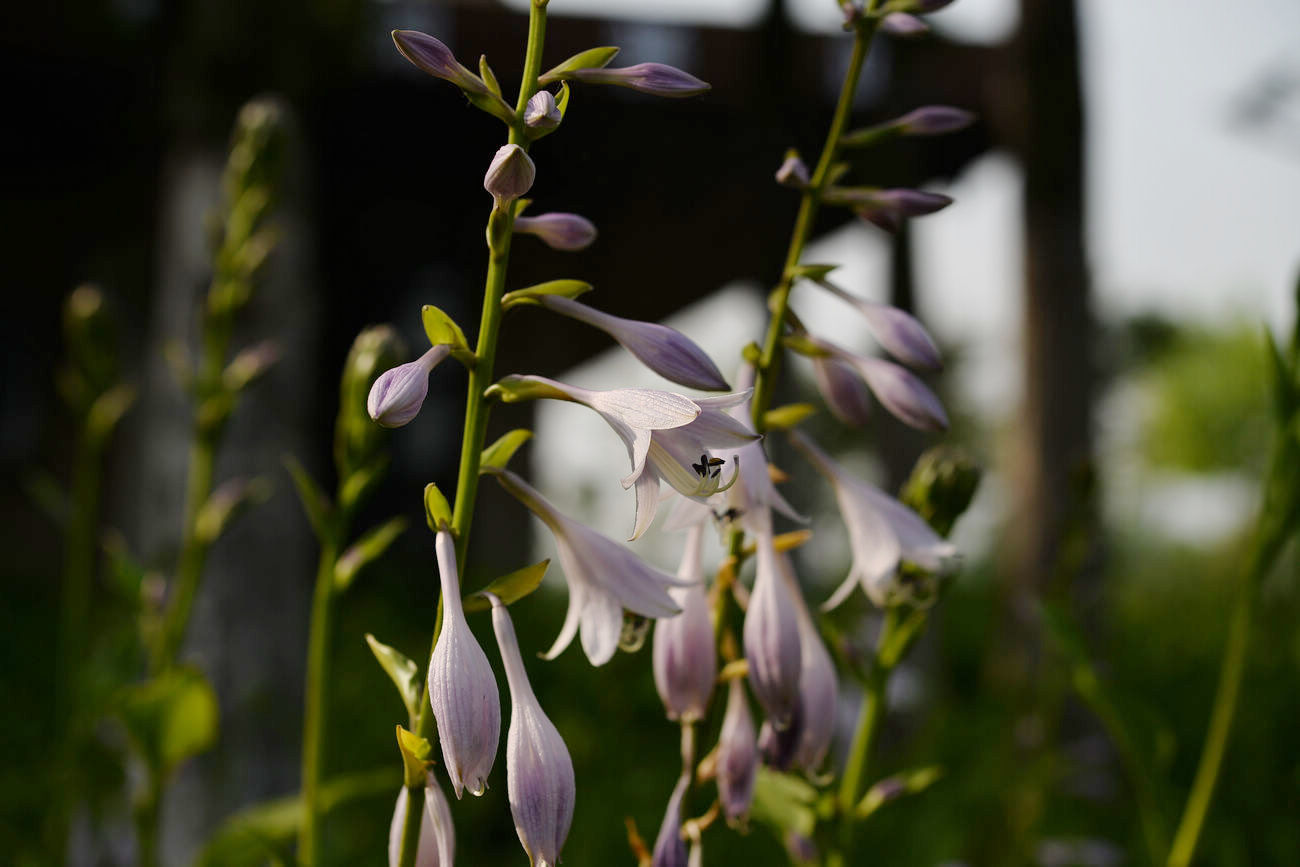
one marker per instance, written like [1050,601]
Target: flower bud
[437,846]
[909,399]
[433,57]
[657,79]
[737,755]
[539,772]
[905,202]
[542,113]
[771,635]
[842,390]
[934,120]
[510,175]
[818,688]
[397,395]
[778,745]
[904,26]
[670,848]
[793,172]
[559,231]
[897,330]
[684,659]
[462,689]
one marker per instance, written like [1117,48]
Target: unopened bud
[397,395]
[435,58]
[657,79]
[510,175]
[569,232]
[843,391]
[437,841]
[934,120]
[542,113]
[670,848]
[904,26]
[684,659]
[737,755]
[771,637]
[793,172]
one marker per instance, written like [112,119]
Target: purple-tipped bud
[510,175]
[737,756]
[904,26]
[684,659]
[542,113]
[897,330]
[539,772]
[568,232]
[911,203]
[462,689]
[664,350]
[397,395]
[670,848]
[903,394]
[657,79]
[433,57]
[793,172]
[772,639]
[934,120]
[843,391]
[437,846]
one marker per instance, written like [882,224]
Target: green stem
[193,554]
[477,409]
[769,362]
[316,706]
[146,822]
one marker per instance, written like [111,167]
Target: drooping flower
[397,395]
[771,638]
[462,688]
[604,578]
[934,120]
[737,756]
[843,391]
[898,331]
[818,687]
[900,392]
[542,113]
[666,351]
[657,79]
[683,656]
[670,848]
[510,174]
[435,58]
[539,772]
[437,846]
[882,533]
[559,231]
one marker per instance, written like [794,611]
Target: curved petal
[602,624]
[647,503]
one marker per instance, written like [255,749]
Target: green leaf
[125,575]
[592,58]
[437,512]
[226,503]
[366,550]
[319,509]
[403,671]
[514,389]
[804,346]
[489,77]
[562,99]
[415,757]
[1285,387]
[508,588]
[895,787]
[361,482]
[529,295]
[107,411]
[442,330]
[784,801]
[788,416]
[500,452]
[814,272]
[170,717]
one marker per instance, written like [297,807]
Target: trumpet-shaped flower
[897,330]
[666,351]
[437,846]
[670,848]
[604,578]
[462,689]
[559,231]
[397,395]
[882,533]
[683,657]
[900,392]
[539,772]
[737,755]
[754,496]
[657,79]
[771,637]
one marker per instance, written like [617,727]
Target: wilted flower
[909,399]
[683,658]
[542,113]
[904,26]
[397,395]
[510,175]
[897,330]
[882,533]
[559,231]
[539,772]
[437,846]
[657,79]
[842,390]
[934,120]
[793,172]
[604,578]
[436,59]
[771,632]
[737,755]
[462,689]
[670,848]
[666,351]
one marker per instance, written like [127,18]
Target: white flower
[684,659]
[604,578]
[882,533]
[437,846]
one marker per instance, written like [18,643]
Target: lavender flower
[436,59]
[737,756]
[882,533]
[462,689]
[909,399]
[771,636]
[897,330]
[539,772]
[559,231]
[437,846]
[842,390]
[684,659]
[754,496]
[397,395]
[541,113]
[670,848]
[664,350]
[604,578]
[934,120]
[510,175]
[793,172]
[657,79]
[818,688]
[904,26]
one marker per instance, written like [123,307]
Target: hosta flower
[934,120]
[397,395]
[604,578]
[843,391]
[541,112]
[683,657]
[818,688]
[897,331]
[510,175]
[435,58]
[462,689]
[670,848]
[752,499]
[437,846]
[772,643]
[559,231]
[882,533]
[900,392]
[904,26]
[539,772]
[666,351]
[737,755]
[658,79]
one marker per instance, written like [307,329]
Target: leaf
[529,295]
[489,77]
[441,329]
[1285,396]
[366,550]
[814,272]
[437,512]
[107,411]
[500,452]
[784,801]
[226,503]
[897,786]
[508,588]
[592,58]
[320,512]
[403,671]
[788,416]
[804,346]
[361,482]
[562,99]
[170,717]
[415,757]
